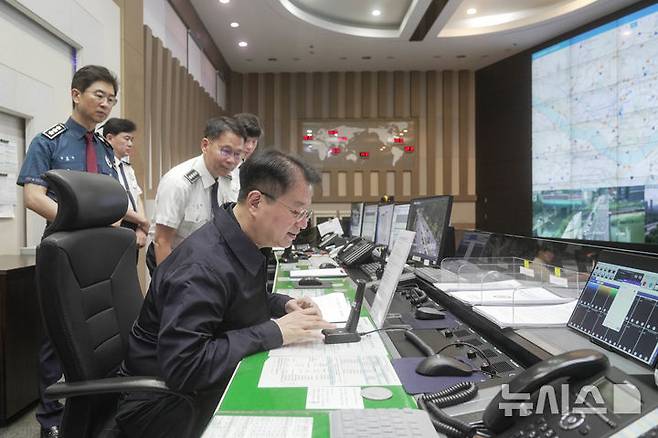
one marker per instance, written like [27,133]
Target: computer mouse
[426,312]
[438,365]
[327,266]
[310,281]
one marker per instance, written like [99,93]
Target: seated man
[207,307]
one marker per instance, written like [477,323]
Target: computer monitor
[357,219]
[399,222]
[472,244]
[618,307]
[369,226]
[429,218]
[384,222]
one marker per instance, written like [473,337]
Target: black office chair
[90,296]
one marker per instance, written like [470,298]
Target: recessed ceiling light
[224,1]
[376,12]
[235,24]
[243,44]
[471,11]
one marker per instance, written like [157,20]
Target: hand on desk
[302,325]
[302,303]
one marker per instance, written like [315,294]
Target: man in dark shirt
[207,306]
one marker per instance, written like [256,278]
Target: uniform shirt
[63,147]
[183,198]
[130,183]
[235,183]
[207,308]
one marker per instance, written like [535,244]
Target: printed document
[528,316]
[234,426]
[334,398]
[503,297]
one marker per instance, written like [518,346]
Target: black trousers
[164,416]
[49,412]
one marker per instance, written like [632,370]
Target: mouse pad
[448,322]
[414,383]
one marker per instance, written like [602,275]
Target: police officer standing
[189,192]
[74,146]
[120,134]
[252,127]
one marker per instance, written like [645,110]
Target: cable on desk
[486,365]
[453,395]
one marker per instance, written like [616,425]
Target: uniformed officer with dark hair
[187,192]
[70,145]
[254,131]
[207,306]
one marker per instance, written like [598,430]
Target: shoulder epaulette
[192,176]
[54,131]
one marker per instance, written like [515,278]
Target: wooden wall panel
[441,103]
[269,113]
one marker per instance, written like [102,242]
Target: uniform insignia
[54,131]
[109,163]
[192,176]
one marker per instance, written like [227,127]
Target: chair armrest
[110,385]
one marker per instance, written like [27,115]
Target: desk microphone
[348,333]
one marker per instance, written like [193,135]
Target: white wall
[36,64]
[12,230]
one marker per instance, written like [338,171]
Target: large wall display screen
[595,133]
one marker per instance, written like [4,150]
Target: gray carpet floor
[25,426]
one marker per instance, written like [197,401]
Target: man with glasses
[74,146]
[207,306]
[190,192]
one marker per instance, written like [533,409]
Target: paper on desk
[234,426]
[332,226]
[298,293]
[502,297]
[334,398]
[334,307]
[331,272]
[285,267]
[528,316]
[370,345]
[489,285]
[291,371]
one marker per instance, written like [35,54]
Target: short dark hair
[250,123]
[115,126]
[217,126]
[87,75]
[273,172]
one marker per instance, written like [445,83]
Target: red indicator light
[364,154]
[343,139]
[332,132]
[398,140]
[308,137]
[335,151]
[409,148]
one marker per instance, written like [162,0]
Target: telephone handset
[355,252]
[331,239]
[574,365]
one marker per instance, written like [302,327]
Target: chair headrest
[85,200]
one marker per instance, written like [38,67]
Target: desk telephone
[355,252]
[575,394]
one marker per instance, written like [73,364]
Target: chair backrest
[86,275]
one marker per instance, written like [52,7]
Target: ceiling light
[224,1]
[243,44]
[471,11]
[235,24]
[376,12]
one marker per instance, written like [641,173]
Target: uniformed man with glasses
[190,191]
[72,145]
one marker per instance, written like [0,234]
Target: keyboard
[380,423]
[369,269]
[432,275]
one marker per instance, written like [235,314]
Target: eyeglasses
[227,152]
[100,96]
[299,214]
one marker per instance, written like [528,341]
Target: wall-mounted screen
[595,133]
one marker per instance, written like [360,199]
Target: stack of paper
[528,316]
[504,297]
[334,307]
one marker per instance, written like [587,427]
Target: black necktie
[125,181]
[213,197]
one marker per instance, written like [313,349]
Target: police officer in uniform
[120,134]
[207,306]
[188,193]
[71,145]
[252,127]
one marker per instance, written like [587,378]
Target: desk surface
[12,262]
[244,397]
